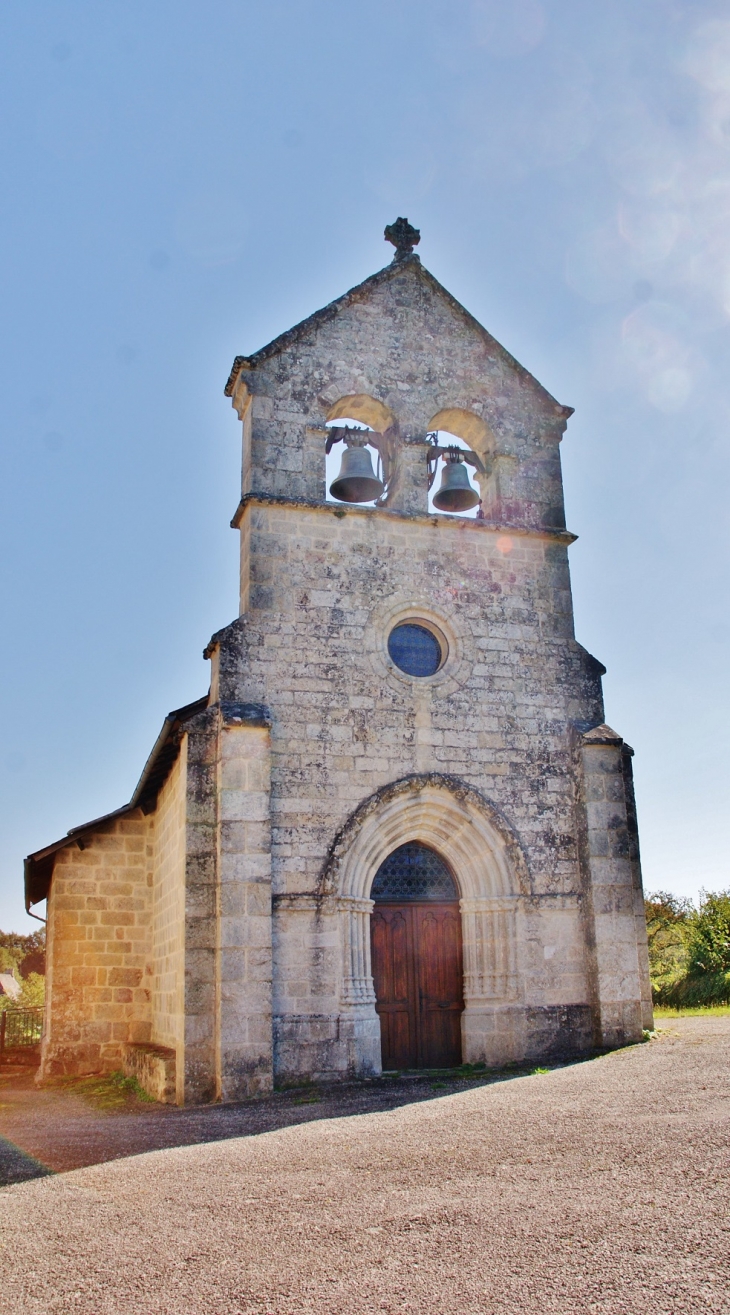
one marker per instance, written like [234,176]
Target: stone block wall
[325,590]
[159,927]
[219,834]
[642,945]
[154,1067]
[99,949]
[198,1073]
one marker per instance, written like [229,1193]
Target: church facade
[397,832]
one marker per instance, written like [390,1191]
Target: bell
[356,481]
[455,493]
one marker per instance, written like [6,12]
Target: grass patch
[691,1011]
[105,1091]
[294,1084]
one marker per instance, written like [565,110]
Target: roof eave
[283,340]
[38,867]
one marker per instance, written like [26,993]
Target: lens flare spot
[504,543]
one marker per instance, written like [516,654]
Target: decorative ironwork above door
[413,872]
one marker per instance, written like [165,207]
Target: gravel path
[55,1129]
[599,1187]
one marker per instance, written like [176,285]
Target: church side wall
[168,911]
[99,936]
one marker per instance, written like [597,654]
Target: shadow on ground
[89,1121]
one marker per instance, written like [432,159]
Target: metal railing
[20,1028]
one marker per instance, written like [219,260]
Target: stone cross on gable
[403,236]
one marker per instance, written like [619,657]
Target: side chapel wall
[99,948]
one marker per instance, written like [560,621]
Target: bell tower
[416,659]
[397,830]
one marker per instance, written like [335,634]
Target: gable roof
[39,866]
[360,292]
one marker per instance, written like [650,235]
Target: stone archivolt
[453,819]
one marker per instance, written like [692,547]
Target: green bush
[33,991]
[702,989]
[689,949]
[709,946]
[25,958]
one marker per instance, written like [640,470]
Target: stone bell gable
[399,353]
[402,694]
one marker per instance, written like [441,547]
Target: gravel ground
[57,1128]
[598,1187]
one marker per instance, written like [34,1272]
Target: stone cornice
[429,518]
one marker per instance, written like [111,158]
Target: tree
[669,920]
[23,954]
[24,957]
[33,992]
[689,949]
[709,945]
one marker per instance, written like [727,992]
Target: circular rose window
[415,649]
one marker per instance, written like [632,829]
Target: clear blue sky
[183,181]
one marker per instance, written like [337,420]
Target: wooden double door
[418,976]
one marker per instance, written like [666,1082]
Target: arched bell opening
[358,470]
[458,484]
[354,469]
[453,488]
[417,959]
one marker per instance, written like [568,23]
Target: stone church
[397,832]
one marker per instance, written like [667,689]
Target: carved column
[358,975]
[490,956]
[359,1025]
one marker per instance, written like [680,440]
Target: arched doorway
[417,959]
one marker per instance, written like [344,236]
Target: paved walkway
[599,1187]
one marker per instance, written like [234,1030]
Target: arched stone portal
[453,819]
